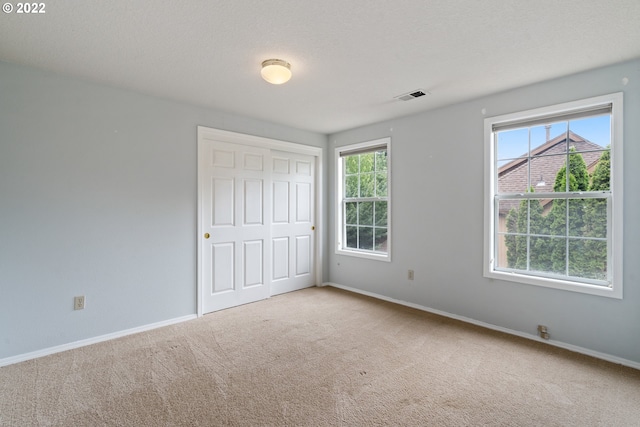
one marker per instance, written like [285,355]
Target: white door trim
[206,133]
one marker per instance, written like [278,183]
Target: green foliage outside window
[545,240]
[366,220]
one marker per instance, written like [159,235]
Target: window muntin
[363,172]
[549,224]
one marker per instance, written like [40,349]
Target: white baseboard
[64,347]
[574,348]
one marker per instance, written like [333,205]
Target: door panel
[280,258]
[223,158]
[281,165]
[280,202]
[303,167]
[253,162]
[303,250]
[223,210]
[236,215]
[253,255]
[293,184]
[222,267]
[303,203]
[253,202]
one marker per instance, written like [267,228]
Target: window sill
[603,291]
[366,255]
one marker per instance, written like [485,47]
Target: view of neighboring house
[546,161]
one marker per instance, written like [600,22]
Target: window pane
[505,246]
[352,237]
[365,237]
[512,143]
[542,134]
[380,239]
[351,164]
[513,177]
[595,130]
[518,258]
[381,184]
[509,211]
[366,162]
[548,254]
[351,214]
[367,185]
[545,172]
[351,186]
[578,174]
[512,251]
[549,173]
[593,222]
[365,213]
[588,259]
[576,216]
[513,219]
[538,223]
[557,217]
[380,213]
[381,161]
[600,169]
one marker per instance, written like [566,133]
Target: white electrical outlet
[78,303]
[410,275]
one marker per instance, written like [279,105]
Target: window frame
[340,229]
[614,213]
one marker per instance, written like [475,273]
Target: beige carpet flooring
[319,357]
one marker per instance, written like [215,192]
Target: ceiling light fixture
[276,71]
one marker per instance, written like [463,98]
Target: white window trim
[338,201]
[615,291]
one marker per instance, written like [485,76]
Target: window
[363,199]
[553,196]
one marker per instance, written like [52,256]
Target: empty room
[296,213]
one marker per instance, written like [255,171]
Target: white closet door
[292,226]
[235,192]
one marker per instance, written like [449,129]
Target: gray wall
[98,198]
[437,185]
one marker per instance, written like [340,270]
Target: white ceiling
[349,57]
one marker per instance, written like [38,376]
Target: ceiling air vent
[412,95]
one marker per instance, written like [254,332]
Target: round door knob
[207,235]
[313,227]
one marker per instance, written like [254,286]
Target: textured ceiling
[349,57]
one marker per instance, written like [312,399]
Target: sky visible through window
[514,143]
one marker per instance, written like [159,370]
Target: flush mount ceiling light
[276,71]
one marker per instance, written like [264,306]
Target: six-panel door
[292,227]
[257,232]
[236,213]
